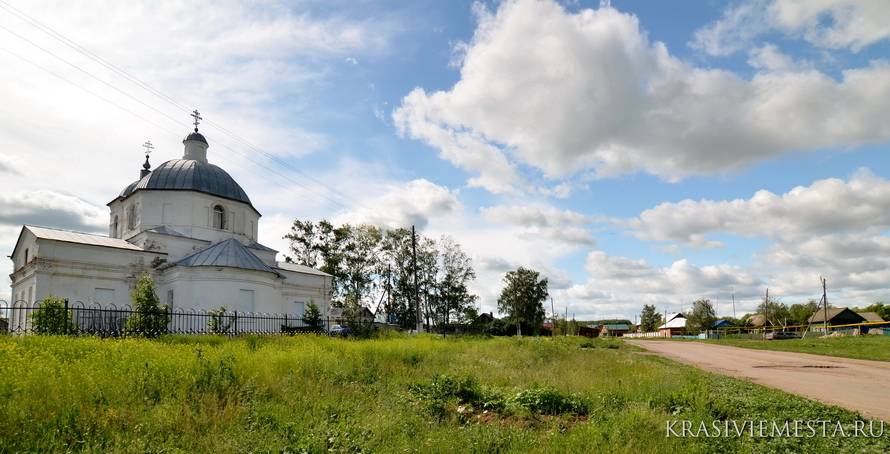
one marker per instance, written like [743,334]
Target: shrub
[219,322]
[149,317]
[52,317]
[549,401]
[312,316]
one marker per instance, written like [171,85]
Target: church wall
[188,212]
[210,288]
[175,247]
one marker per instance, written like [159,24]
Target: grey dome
[195,136]
[190,175]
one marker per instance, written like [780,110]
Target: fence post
[65,318]
[236,323]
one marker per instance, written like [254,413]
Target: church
[190,226]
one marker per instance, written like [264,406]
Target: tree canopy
[522,298]
[701,317]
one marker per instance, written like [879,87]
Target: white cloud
[567,93]
[620,286]
[860,204]
[829,24]
[414,203]
[48,208]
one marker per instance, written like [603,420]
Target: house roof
[833,312]
[300,268]
[617,327]
[228,253]
[722,323]
[68,236]
[677,320]
[871,316]
[758,320]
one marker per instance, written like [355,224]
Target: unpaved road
[849,383]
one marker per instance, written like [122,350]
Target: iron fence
[77,318]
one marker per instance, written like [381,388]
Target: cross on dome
[197,116]
[148,147]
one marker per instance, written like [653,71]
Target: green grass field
[420,394]
[857,347]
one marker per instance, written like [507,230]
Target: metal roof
[229,253]
[68,236]
[300,269]
[190,175]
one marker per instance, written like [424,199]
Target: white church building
[189,225]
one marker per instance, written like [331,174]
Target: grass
[406,394]
[857,347]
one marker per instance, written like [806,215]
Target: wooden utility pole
[417,316]
[567,319]
[766,308]
[733,303]
[824,305]
[552,317]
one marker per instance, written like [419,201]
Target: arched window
[131,217]
[26,257]
[114,225]
[219,217]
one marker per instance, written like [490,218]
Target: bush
[52,317]
[149,317]
[219,322]
[312,316]
[548,401]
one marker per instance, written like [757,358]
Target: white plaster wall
[187,212]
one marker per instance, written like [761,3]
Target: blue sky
[617,148]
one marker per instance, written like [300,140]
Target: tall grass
[314,394]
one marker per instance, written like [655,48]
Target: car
[782,335]
[338,330]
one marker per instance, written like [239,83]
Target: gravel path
[855,384]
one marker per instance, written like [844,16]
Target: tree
[456,272]
[701,317]
[776,312]
[149,317]
[800,314]
[52,317]
[311,244]
[650,319]
[312,316]
[522,298]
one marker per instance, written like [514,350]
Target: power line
[77,47]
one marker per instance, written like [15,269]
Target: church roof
[190,175]
[67,236]
[229,253]
[300,268]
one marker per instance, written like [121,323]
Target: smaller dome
[196,136]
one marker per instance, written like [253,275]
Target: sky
[634,152]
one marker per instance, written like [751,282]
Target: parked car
[781,335]
[339,330]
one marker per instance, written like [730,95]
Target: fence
[110,321]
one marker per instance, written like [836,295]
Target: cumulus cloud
[860,204]
[619,286]
[564,226]
[414,203]
[829,24]
[566,92]
[51,209]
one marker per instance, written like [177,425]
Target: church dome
[190,175]
[196,136]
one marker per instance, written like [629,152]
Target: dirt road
[849,383]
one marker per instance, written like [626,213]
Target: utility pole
[824,305]
[552,318]
[567,319]
[766,308]
[733,303]
[416,287]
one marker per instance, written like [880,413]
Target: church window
[114,225]
[170,297]
[131,217]
[26,257]
[219,217]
